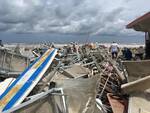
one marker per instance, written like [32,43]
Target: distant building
[143,24]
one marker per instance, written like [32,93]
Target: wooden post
[147,45]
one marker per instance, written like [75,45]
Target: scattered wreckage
[84,81]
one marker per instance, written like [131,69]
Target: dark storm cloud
[63,16]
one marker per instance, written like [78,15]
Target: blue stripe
[28,84]
[20,76]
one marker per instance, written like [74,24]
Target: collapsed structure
[74,83]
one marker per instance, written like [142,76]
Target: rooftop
[141,24]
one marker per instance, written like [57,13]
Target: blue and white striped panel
[24,84]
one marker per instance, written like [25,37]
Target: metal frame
[54,91]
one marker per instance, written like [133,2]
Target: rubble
[11,63]
[84,81]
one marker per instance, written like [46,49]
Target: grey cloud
[4,27]
[61,16]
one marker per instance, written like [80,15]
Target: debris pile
[71,79]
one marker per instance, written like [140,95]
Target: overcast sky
[73,17]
